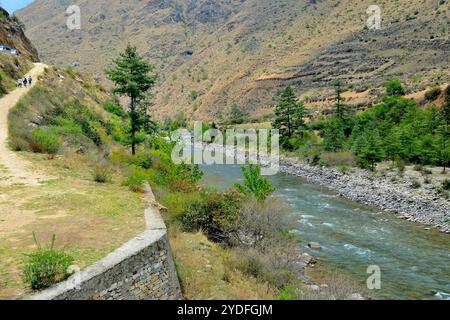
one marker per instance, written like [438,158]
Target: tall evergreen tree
[131,78]
[340,112]
[446,106]
[236,114]
[334,138]
[372,150]
[289,114]
[444,139]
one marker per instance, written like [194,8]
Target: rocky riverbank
[386,191]
[421,205]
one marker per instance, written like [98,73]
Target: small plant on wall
[46,266]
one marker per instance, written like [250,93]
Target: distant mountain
[212,54]
[13,36]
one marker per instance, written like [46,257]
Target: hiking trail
[13,168]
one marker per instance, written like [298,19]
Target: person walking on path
[20,83]
[30,80]
[25,81]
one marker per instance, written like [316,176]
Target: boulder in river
[314,245]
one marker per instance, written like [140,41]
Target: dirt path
[14,169]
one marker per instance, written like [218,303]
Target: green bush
[289,292]
[45,141]
[446,184]
[215,214]
[101,174]
[143,160]
[415,184]
[114,109]
[135,180]
[394,87]
[254,184]
[46,267]
[193,95]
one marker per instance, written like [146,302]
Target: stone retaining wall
[142,269]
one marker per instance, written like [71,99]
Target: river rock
[356,296]
[314,287]
[314,245]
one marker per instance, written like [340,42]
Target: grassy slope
[205,273]
[89,219]
[204,267]
[11,69]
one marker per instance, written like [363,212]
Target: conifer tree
[289,115]
[131,78]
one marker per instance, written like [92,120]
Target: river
[414,262]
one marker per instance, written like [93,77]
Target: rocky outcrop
[12,35]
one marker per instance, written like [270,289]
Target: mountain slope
[212,54]
[12,35]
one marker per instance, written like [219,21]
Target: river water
[414,262]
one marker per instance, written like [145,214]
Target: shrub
[215,214]
[193,95]
[446,184]
[433,93]
[101,174]
[114,109]
[143,160]
[400,165]
[254,184]
[135,181]
[259,221]
[394,87]
[45,141]
[46,267]
[339,287]
[276,262]
[289,292]
[415,184]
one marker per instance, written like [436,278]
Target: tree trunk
[133,126]
[289,122]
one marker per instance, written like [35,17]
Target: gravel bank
[421,205]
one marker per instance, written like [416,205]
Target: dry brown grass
[335,285]
[205,274]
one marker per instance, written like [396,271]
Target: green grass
[11,69]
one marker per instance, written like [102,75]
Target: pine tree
[391,145]
[446,106]
[372,151]
[236,114]
[444,132]
[340,108]
[334,138]
[289,114]
[131,78]
[145,121]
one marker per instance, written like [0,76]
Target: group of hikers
[23,82]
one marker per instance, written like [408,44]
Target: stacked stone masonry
[142,269]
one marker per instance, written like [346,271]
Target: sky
[13,5]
